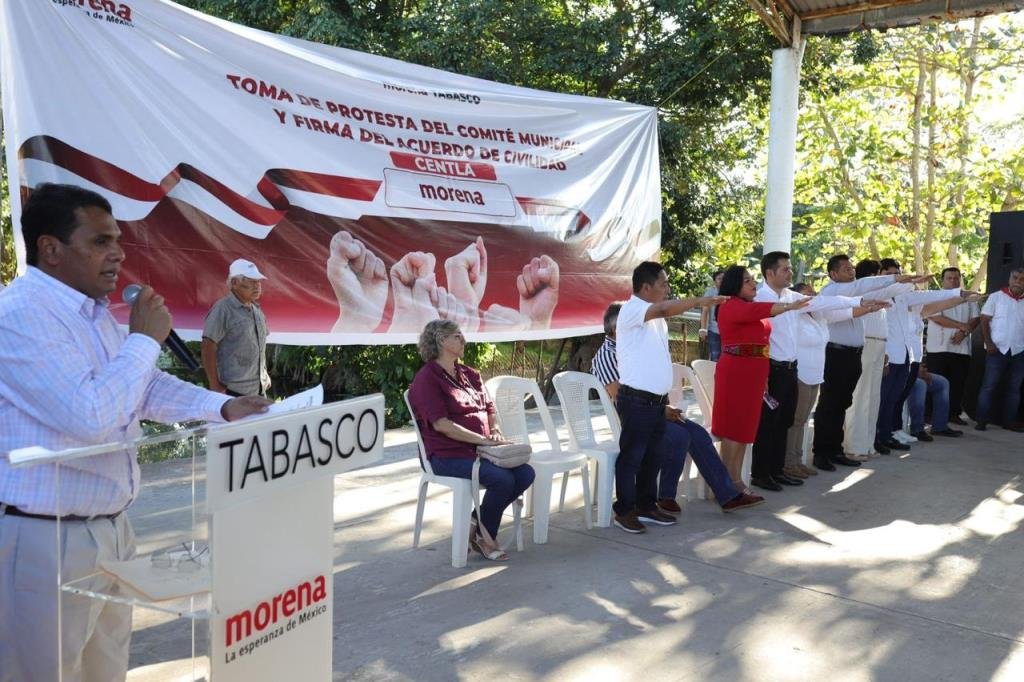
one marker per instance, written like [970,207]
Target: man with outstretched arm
[681,436]
[842,358]
[645,378]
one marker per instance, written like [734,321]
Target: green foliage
[854,188]
[347,371]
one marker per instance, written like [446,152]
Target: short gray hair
[611,316]
[432,336]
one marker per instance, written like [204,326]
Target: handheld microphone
[174,343]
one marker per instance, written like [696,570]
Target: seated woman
[455,415]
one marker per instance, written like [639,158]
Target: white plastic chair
[462,504]
[573,389]
[691,475]
[509,394]
[704,373]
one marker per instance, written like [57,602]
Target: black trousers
[842,371]
[915,369]
[955,367]
[769,451]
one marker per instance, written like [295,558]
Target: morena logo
[115,9]
[241,625]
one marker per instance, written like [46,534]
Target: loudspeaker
[1005,253]
[1005,247]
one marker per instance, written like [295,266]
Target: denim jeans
[503,486]
[640,453]
[893,384]
[681,437]
[995,367]
[714,346]
[939,391]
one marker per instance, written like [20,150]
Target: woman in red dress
[741,375]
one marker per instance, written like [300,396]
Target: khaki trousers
[96,633]
[862,415]
[807,395]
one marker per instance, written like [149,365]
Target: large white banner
[374,194]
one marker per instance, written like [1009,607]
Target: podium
[244,552]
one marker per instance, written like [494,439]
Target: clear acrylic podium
[235,542]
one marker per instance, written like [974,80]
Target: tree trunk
[968,74]
[929,227]
[915,161]
[844,174]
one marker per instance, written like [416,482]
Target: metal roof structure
[787,19]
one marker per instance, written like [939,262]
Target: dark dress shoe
[894,444]
[1016,427]
[786,480]
[948,433]
[881,449]
[923,436]
[845,461]
[767,483]
[823,464]
[959,421]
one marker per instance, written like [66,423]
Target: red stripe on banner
[243,206]
[432,164]
[543,207]
[91,168]
[331,185]
[115,179]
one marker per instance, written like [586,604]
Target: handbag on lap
[505,456]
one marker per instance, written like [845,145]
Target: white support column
[778,211]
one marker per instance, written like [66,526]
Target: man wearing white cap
[235,336]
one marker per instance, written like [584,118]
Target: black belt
[785,364]
[652,398]
[839,346]
[14,511]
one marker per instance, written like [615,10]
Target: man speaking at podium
[69,377]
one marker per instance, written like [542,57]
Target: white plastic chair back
[573,389]
[705,371]
[424,462]
[703,402]
[509,395]
[676,397]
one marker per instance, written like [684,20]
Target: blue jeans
[714,345]
[681,437]
[640,453]
[938,389]
[503,486]
[995,368]
[893,384]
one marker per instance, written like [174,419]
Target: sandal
[491,555]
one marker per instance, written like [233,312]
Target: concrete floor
[908,568]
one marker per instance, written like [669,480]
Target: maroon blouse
[435,394]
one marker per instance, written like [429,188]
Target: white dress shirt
[813,330]
[642,349]
[785,337]
[875,325]
[1007,325]
[70,377]
[940,339]
[851,332]
[903,340]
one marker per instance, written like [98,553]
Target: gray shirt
[712,317]
[240,333]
